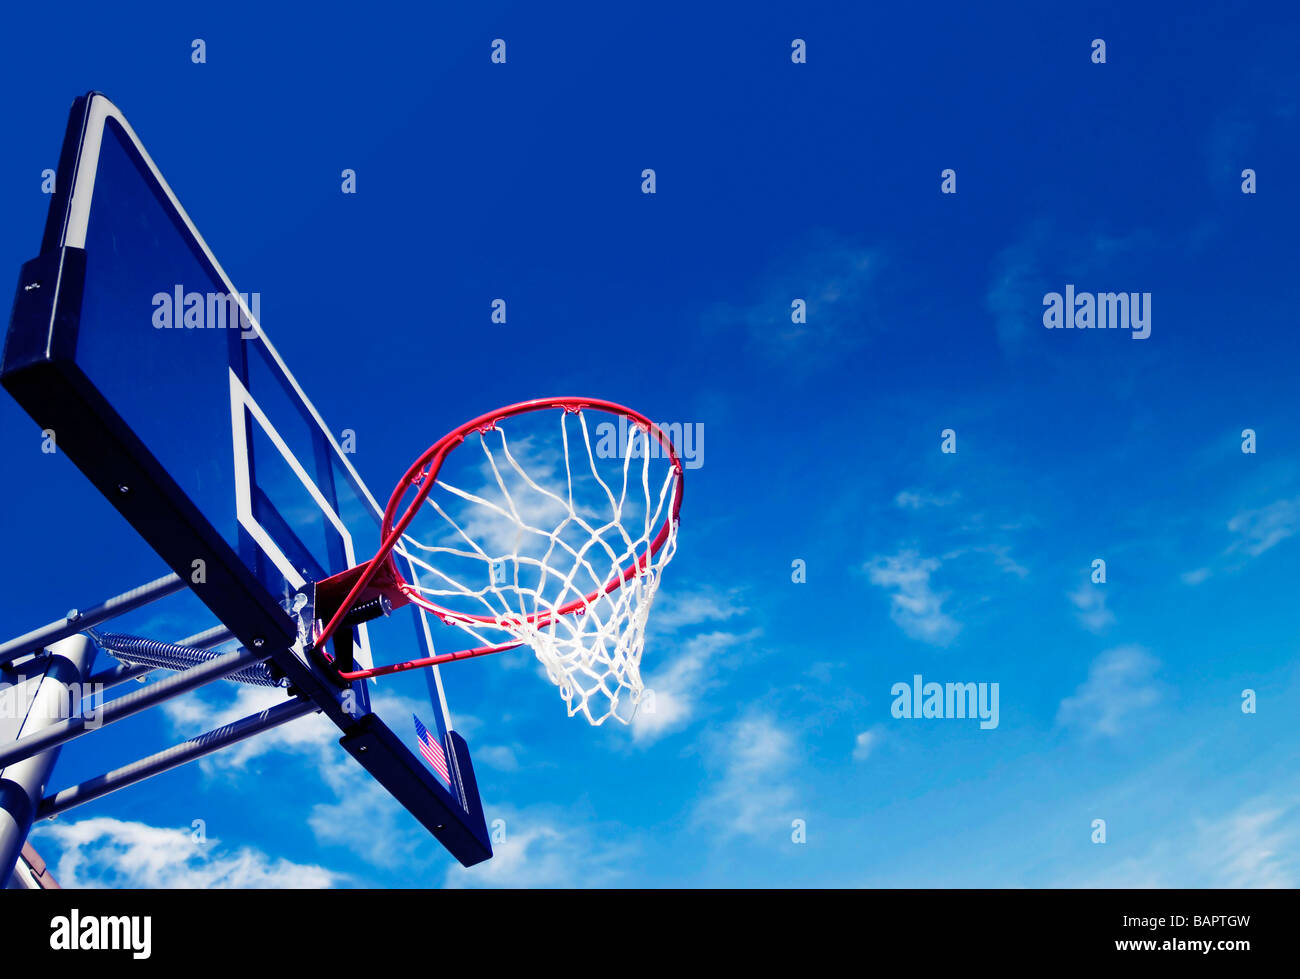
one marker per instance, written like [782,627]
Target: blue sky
[775,181]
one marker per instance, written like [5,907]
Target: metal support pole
[207,638]
[47,698]
[79,620]
[61,732]
[173,757]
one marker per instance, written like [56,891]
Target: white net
[533,549]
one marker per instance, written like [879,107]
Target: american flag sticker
[431,749]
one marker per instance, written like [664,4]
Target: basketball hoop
[567,566]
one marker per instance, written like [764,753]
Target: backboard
[130,342]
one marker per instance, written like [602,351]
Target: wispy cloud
[866,742]
[752,794]
[1255,845]
[106,852]
[1119,686]
[392,839]
[1089,601]
[499,756]
[547,847]
[835,277]
[192,715]
[1001,554]
[498,533]
[1044,260]
[920,499]
[366,821]
[1020,279]
[679,684]
[679,668]
[914,606]
[1263,529]
[1254,532]
[680,609]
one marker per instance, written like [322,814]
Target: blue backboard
[130,341]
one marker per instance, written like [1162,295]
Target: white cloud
[915,607]
[499,756]
[920,499]
[836,277]
[822,671]
[500,533]
[363,817]
[368,822]
[678,682]
[675,611]
[1015,296]
[194,714]
[313,734]
[678,685]
[1261,530]
[1029,268]
[752,794]
[1119,686]
[547,847]
[1090,601]
[866,742]
[366,819]
[1255,532]
[1001,554]
[106,852]
[1255,845]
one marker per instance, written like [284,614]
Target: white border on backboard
[241,400]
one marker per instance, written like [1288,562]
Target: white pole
[45,697]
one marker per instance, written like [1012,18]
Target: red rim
[432,459]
